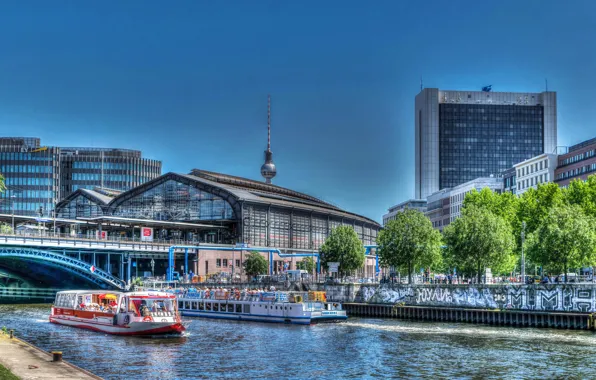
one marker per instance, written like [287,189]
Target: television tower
[268,170]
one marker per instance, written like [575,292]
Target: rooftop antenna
[268,170]
[546,84]
[269,123]
[421,86]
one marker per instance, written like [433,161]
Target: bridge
[69,262]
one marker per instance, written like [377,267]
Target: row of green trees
[559,225]
[342,245]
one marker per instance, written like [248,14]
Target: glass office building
[37,177]
[464,135]
[118,169]
[31,175]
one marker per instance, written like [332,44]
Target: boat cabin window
[208,306]
[65,300]
[238,308]
[156,307]
[247,309]
[180,304]
[230,308]
[201,305]
[194,305]
[216,306]
[187,305]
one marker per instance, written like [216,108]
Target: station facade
[212,208]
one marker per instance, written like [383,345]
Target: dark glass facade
[80,206]
[31,175]
[119,169]
[479,140]
[174,201]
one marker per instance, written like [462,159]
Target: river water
[358,349]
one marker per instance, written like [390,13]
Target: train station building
[210,208]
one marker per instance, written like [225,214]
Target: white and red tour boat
[134,313]
[260,306]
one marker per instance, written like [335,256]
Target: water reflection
[359,348]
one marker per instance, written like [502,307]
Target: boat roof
[149,294]
[90,292]
[143,294]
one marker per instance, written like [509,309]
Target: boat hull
[247,317]
[134,328]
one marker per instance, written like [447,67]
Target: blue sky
[186,82]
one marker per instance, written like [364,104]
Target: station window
[218,263]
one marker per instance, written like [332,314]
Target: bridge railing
[109,242]
[28,293]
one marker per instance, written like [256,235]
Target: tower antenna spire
[269,123]
[268,170]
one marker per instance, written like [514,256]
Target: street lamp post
[523,258]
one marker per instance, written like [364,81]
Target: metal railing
[27,293]
[110,242]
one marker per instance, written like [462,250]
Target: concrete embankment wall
[579,298]
[27,361]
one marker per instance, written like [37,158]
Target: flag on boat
[92,269]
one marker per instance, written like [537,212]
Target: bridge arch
[69,264]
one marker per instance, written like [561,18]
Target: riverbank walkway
[29,362]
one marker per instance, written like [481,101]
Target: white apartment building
[444,206]
[458,193]
[536,170]
[416,204]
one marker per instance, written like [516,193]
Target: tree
[504,205]
[409,242]
[535,204]
[479,239]
[307,264]
[564,239]
[583,194]
[255,264]
[5,228]
[343,246]
[2,184]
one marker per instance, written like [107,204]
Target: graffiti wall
[547,297]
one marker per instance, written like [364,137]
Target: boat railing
[254,296]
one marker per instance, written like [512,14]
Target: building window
[218,263]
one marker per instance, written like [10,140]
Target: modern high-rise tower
[268,170]
[464,135]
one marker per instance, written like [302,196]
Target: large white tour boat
[134,313]
[260,306]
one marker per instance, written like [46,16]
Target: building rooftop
[581,145]
[260,188]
